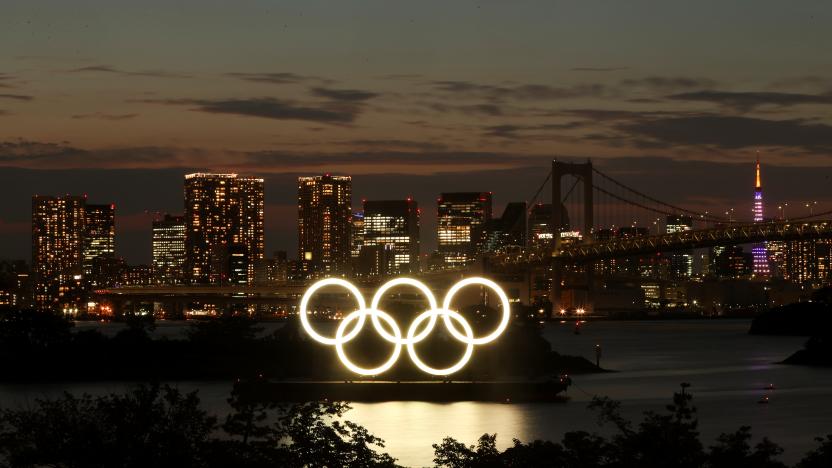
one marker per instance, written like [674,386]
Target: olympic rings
[377,316]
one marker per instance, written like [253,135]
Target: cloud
[395,144]
[597,69]
[364,156]
[115,71]
[400,76]
[104,116]
[664,83]
[472,109]
[17,97]
[270,108]
[386,161]
[526,92]
[613,114]
[822,83]
[274,78]
[731,132]
[61,155]
[4,79]
[746,101]
[510,131]
[346,95]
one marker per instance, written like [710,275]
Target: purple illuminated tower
[759,251]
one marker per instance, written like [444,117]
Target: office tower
[776,251]
[540,225]
[58,225]
[461,225]
[807,261]
[15,284]
[635,265]
[509,230]
[681,263]
[357,239]
[376,260]
[761,266]
[733,262]
[223,215]
[272,271]
[324,223]
[136,275]
[394,224]
[169,254]
[99,243]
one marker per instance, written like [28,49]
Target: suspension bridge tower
[583,172]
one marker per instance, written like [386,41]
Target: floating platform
[378,391]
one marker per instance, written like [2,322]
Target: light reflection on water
[728,368]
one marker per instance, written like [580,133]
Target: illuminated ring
[447,315]
[503,321]
[413,337]
[360,315]
[380,295]
[304,318]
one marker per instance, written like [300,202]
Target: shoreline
[367,391]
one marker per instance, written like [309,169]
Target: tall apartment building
[224,236]
[58,229]
[325,223]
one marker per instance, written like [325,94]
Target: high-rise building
[394,224]
[540,225]
[99,242]
[223,215]
[272,271]
[169,254]
[637,265]
[807,261]
[509,230]
[15,284]
[681,263]
[461,225]
[732,262]
[58,225]
[758,252]
[357,239]
[324,223]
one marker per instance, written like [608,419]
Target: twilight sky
[119,99]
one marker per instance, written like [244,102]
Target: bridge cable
[531,203]
[648,197]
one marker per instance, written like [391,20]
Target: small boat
[763,400]
[577,327]
[770,386]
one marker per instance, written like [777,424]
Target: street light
[811,207]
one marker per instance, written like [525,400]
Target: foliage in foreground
[669,440]
[161,427]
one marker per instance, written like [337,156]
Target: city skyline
[136,250]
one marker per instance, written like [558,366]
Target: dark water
[728,370]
